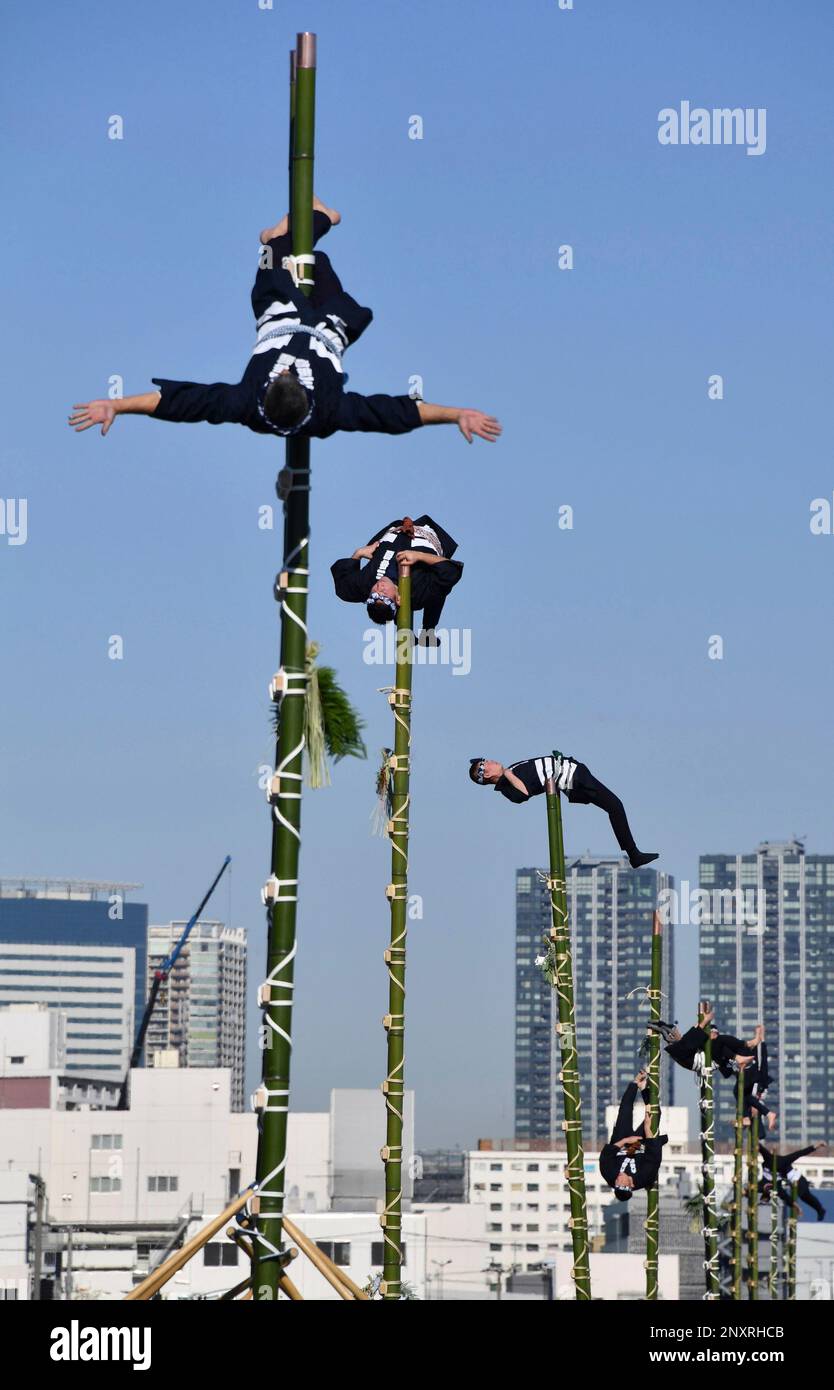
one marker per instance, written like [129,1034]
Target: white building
[33,1039]
[526,1198]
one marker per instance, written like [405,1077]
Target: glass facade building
[79,947]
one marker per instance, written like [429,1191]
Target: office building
[78,947]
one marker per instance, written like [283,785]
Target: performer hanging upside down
[521,780]
[424,545]
[294,382]
[730,1055]
[788,1173]
[629,1160]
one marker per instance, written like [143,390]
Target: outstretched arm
[183,401]
[469,422]
[104,412]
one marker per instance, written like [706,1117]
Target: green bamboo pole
[653,1109]
[566,1029]
[281,894]
[393,1087]
[753,1208]
[738,1188]
[773,1268]
[713,1290]
[790,1261]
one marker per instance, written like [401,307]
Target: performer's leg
[804,1193]
[326,283]
[272,281]
[602,796]
[685,1049]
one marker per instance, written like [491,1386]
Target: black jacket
[647,1163]
[430,584]
[333,408]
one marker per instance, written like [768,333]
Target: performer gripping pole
[521,780]
[421,543]
[651,1122]
[562,978]
[787,1173]
[398,772]
[281,893]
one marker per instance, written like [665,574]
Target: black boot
[637,859]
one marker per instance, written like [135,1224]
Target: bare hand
[93,413]
[471,422]
[640,1079]
[410,557]
[364,552]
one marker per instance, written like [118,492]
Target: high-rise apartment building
[200,1011]
[611,914]
[767,955]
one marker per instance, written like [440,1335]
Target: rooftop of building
[66,889]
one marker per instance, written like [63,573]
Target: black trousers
[804,1193]
[588,790]
[273,282]
[624,1126]
[684,1051]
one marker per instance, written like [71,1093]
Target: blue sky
[691,516]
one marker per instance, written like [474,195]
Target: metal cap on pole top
[306,50]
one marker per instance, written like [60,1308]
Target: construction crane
[160,976]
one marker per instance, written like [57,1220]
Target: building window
[164,1183]
[336,1250]
[106,1141]
[217,1253]
[105,1184]
[377,1257]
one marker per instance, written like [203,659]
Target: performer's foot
[638,859]
[820,1215]
[319,206]
[772,1120]
[280,229]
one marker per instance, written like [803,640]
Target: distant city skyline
[671,635]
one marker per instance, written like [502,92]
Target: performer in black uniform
[730,1055]
[294,382]
[787,1174]
[521,780]
[434,573]
[629,1160]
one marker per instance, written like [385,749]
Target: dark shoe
[664,1029]
[638,859]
